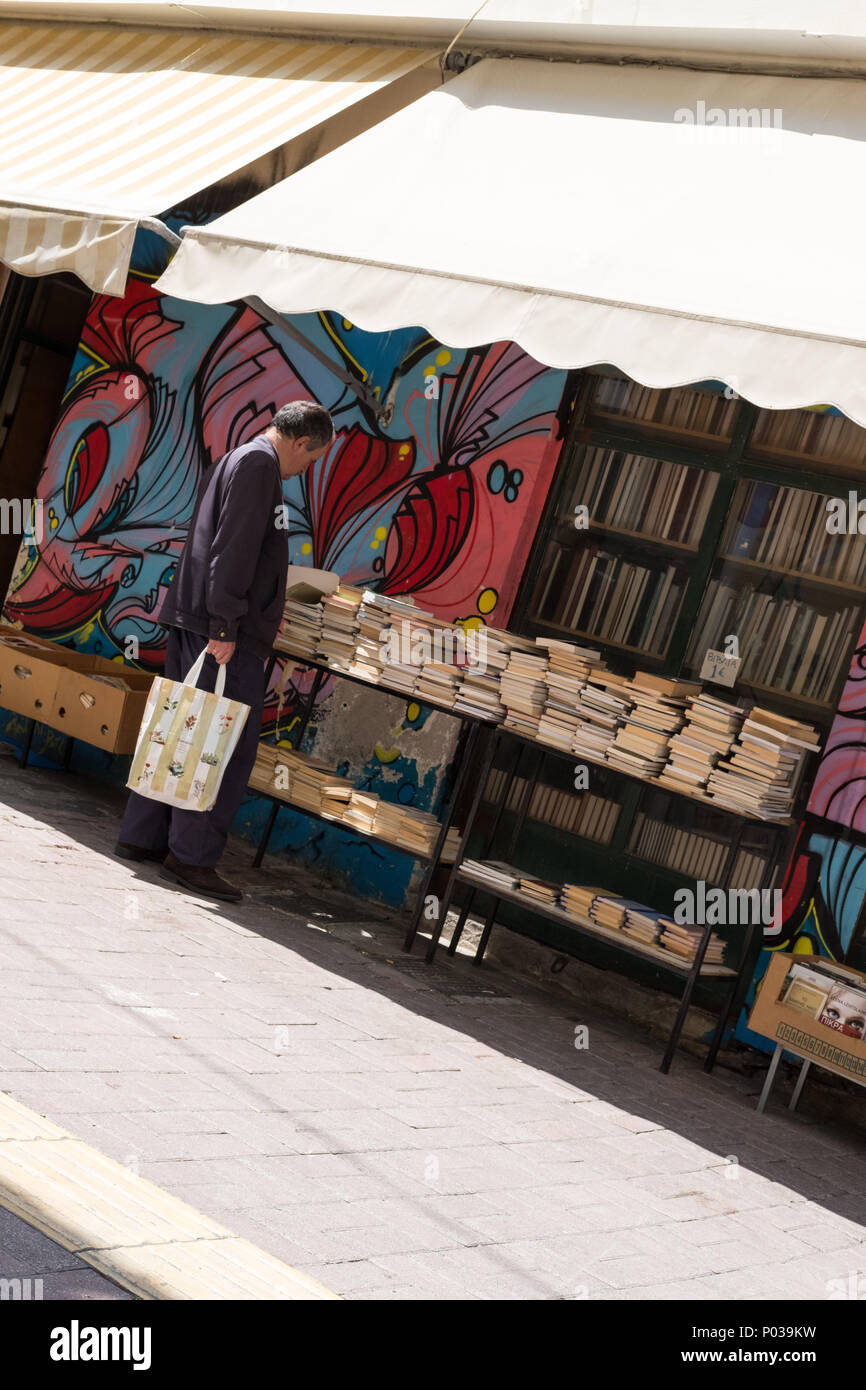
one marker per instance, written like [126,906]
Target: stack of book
[608,910]
[604,703]
[491,872]
[301,628]
[707,735]
[340,626]
[540,891]
[413,830]
[296,777]
[577,899]
[479,694]
[761,775]
[373,620]
[263,777]
[641,744]
[309,778]
[480,691]
[360,812]
[568,667]
[683,941]
[438,682]
[644,924]
[524,691]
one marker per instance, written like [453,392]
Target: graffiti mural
[839,790]
[441,501]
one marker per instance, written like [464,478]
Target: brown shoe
[199,879]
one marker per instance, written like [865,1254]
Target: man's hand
[221,651]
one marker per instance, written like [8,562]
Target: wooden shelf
[642,652]
[835,585]
[784,696]
[567,530]
[633,424]
[584,924]
[818,463]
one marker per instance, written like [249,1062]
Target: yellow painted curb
[146,1240]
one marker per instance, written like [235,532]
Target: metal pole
[801,1080]
[770,1078]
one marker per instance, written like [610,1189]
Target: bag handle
[192,675]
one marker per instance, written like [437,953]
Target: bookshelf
[704,516]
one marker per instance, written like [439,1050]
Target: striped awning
[103,128]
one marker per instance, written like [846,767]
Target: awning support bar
[360,388]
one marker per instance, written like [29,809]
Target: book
[307,585]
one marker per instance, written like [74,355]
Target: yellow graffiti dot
[487,600]
[473,623]
[347,325]
[386,755]
[443,357]
[54,521]
[285,743]
[430,371]
[306,548]
[802,946]
[403,450]
[381,532]
[412,711]
[374,545]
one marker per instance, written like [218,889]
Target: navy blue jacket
[230,583]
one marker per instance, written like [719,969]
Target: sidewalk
[389,1129]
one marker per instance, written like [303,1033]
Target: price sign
[720,668]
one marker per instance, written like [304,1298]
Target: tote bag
[185,741]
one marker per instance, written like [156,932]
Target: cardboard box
[29,671]
[796,1031]
[69,691]
[107,715]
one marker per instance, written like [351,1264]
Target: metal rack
[474,732]
[691,971]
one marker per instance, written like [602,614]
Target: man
[228,592]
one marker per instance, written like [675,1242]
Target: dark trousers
[199,837]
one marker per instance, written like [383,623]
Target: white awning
[102,129]
[681,225]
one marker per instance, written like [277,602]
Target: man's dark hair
[300,418]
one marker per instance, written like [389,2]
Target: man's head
[300,432]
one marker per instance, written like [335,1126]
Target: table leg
[485,933]
[798,1089]
[686,999]
[266,835]
[770,1078]
[28,743]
